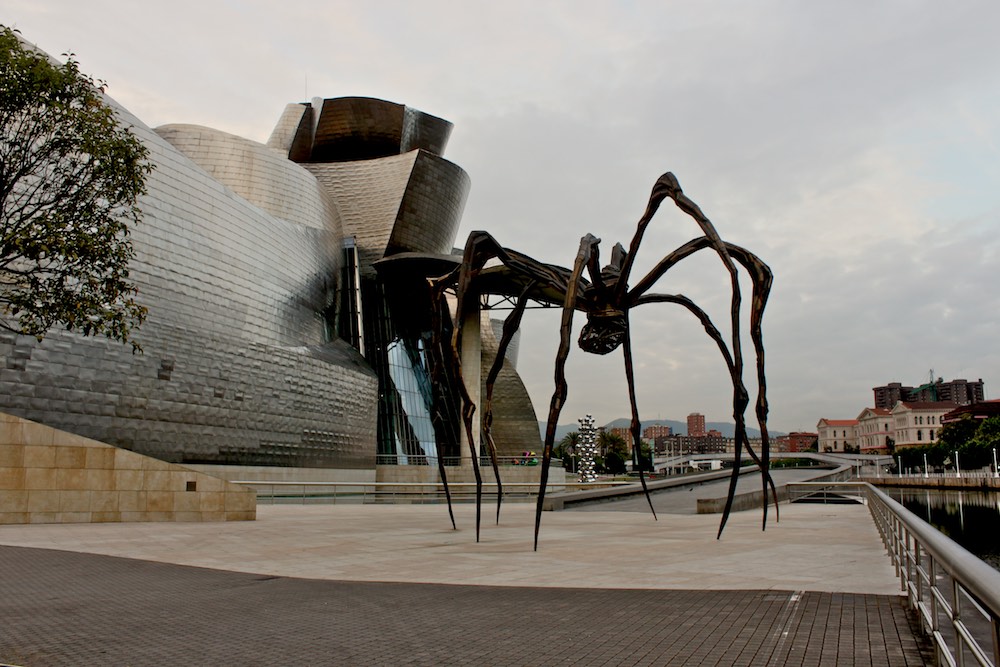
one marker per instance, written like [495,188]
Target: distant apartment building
[796,441]
[888,395]
[918,423]
[956,392]
[623,432]
[696,425]
[874,430]
[654,431]
[676,445]
[837,435]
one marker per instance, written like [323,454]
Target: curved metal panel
[431,210]
[258,174]
[366,128]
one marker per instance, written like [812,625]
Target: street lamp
[958,468]
[996,473]
[925,466]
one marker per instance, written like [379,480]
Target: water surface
[970,518]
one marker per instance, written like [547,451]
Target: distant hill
[727,429]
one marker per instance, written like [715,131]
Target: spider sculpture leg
[479,249]
[438,378]
[669,186]
[761,278]
[588,246]
[449,355]
[635,425]
[472,262]
[510,327]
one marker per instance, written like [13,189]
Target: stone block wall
[51,476]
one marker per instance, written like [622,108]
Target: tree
[646,455]
[614,452]
[70,179]
[978,452]
[956,434]
[566,449]
[988,434]
[608,442]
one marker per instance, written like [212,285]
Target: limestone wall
[51,476]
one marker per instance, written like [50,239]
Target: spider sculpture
[606,300]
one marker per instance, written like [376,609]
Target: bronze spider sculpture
[606,299]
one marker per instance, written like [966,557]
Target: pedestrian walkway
[395,585]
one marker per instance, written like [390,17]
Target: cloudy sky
[852,145]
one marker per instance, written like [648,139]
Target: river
[970,518]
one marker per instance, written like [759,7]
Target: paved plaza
[395,585]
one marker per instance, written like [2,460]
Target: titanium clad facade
[255,262]
[381,164]
[238,366]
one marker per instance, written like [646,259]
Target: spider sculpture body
[606,300]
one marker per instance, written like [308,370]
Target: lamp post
[958,468]
[925,466]
[996,473]
[899,470]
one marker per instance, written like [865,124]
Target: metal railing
[956,595]
[415,460]
[947,474]
[484,461]
[827,492]
[272,493]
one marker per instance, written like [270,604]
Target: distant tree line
[613,453]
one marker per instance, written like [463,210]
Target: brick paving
[65,608]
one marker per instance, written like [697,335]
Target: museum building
[272,339]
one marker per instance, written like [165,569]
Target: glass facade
[414,412]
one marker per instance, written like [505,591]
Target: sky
[852,145]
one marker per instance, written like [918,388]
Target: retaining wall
[51,476]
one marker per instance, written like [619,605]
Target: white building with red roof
[875,432]
[837,435]
[918,423]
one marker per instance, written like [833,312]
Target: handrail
[331,492]
[506,485]
[928,563]
[532,459]
[801,490]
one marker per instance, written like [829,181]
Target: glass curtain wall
[414,413]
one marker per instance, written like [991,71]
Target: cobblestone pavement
[65,608]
